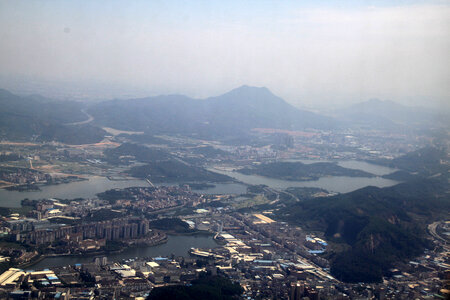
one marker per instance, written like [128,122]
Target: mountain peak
[251,89]
[374,100]
[250,93]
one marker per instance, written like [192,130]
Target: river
[177,245]
[96,184]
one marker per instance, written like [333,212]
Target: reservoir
[79,189]
[177,245]
[97,184]
[365,166]
[180,245]
[351,164]
[224,188]
[339,184]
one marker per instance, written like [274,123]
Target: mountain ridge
[389,114]
[236,111]
[36,118]
[229,115]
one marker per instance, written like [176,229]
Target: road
[432,230]
[274,191]
[89,119]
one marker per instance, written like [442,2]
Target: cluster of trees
[176,171]
[113,195]
[139,152]
[423,162]
[204,288]
[172,224]
[103,215]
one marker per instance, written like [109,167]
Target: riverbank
[37,186]
[337,184]
[177,245]
[105,252]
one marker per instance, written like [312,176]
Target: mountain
[373,228]
[388,115]
[41,119]
[230,114]
[38,107]
[424,162]
[253,107]
[233,114]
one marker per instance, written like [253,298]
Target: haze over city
[312,53]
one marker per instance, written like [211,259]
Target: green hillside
[139,152]
[375,226]
[39,119]
[300,171]
[176,171]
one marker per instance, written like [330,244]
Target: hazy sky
[308,52]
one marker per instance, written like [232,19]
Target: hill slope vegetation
[231,114]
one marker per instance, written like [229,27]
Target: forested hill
[41,119]
[426,161]
[301,171]
[127,151]
[379,226]
[230,114]
[176,171]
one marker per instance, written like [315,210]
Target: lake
[339,184]
[79,189]
[180,245]
[97,184]
[365,166]
[177,245]
[351,164]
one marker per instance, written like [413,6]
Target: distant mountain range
[35,118]
[237,111]
[233,114]
[376,113]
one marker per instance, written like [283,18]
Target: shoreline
[35,187]
[107,253]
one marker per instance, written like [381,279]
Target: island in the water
[297,171]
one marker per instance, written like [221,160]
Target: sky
[311,53]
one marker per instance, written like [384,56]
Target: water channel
[177,245]
[180,245]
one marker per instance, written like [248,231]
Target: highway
[432,230]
